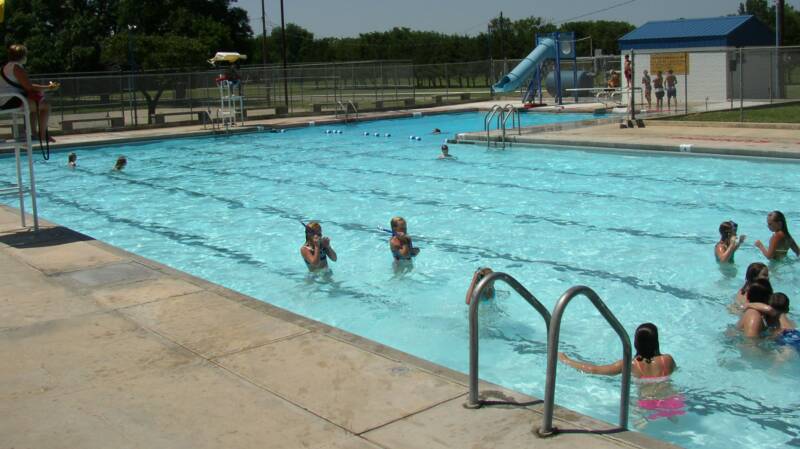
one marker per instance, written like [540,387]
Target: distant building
[707,50]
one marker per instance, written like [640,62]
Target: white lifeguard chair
[231,106]
[17,143]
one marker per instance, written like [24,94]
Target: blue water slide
[546,49]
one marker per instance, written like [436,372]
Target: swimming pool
[637,228]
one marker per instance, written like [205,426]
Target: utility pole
[503,44]
[263,34]
[778,89]
[285,80]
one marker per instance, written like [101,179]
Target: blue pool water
[637,228]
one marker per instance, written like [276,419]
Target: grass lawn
[775,114]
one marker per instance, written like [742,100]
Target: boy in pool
[446,153]
[752,322]
[72,160]
[122,161]
[400,244]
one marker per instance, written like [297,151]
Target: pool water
[637,228]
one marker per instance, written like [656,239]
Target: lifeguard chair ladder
[231,107]
[17,143]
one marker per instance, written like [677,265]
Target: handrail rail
[350,103]
[552,355]
[488,118]
[510,108]
[28,144]
[473,401]
[339,104]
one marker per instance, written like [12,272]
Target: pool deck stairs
[105,349]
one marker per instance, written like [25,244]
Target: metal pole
[263,35]
[686,83]
[631,99]
[285,79]
[741,85]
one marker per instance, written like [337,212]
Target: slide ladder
[552,323]
[17,143]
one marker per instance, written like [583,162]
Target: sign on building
[677,62]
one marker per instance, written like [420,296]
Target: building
[704,55]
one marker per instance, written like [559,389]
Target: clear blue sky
[350,17]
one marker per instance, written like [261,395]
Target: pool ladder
[501,114]
[553,325]
[345,108]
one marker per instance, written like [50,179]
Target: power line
[609,8]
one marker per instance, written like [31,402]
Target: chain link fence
[706,80]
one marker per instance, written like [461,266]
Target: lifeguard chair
[231,105]
[18,142]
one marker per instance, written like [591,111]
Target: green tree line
[765,12]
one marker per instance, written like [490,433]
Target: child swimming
[317,249]
[781,241]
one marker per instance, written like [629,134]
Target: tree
[766,14]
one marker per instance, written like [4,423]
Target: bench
[439,99]
[319,107]
[114,122]
[408,102]
[160,117]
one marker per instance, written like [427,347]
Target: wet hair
[780,218]
[395,221]
[645,340]
[312,228]
[445,147]
[725,231]
[752,273]
[121,162]
[760,290]
[779,302]
[17,52]
[72,157]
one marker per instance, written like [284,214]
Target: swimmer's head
[482,273]
[122,161]
[756,270]
[445,149]
[776,221]
[17,53]
[398,224]
[779,302]
[72,157]
[727,229]
[313,228]
[645,340]
[759,291]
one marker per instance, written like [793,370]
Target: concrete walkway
[105,349]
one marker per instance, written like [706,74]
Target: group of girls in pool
[764,313]
[317,249]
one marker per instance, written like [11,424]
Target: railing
[17,143]
[547,428]
[510,110]
[487,119]
[355,109]
[473,401]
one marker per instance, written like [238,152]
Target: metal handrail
[28,144]
[473,401]
[487,119]
[350,103]
[339,104]
[510,108]
[552,355]
[509,111]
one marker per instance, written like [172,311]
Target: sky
[341,18]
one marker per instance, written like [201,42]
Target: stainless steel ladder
[553,325]
[355,109]
[17,143]
[474,401]
[345,108]
[552,356]
[503,113]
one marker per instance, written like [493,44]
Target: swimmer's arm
[311,259]
[761,308]
[724,254]
[769,253]
[326,243]
[606,370]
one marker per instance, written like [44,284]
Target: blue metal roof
[730,31]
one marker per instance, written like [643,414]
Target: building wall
[708,76]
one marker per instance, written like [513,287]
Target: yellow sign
[677,62]
[2,10]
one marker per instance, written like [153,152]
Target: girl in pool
[728,243]
[400,244]
[122,161]
[755,270]
[752,323]
[776,317]
[488,292]
[781,241]
[317,249]
[72,160]
[653,368]
[649,362]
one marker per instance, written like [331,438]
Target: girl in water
[488,292]
[317,249]
[400,244]
[781,241]
[728,243]
[755,270]
[651,367]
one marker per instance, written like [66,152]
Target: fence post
[685,83]
[741,85]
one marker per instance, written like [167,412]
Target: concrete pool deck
[103,348]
